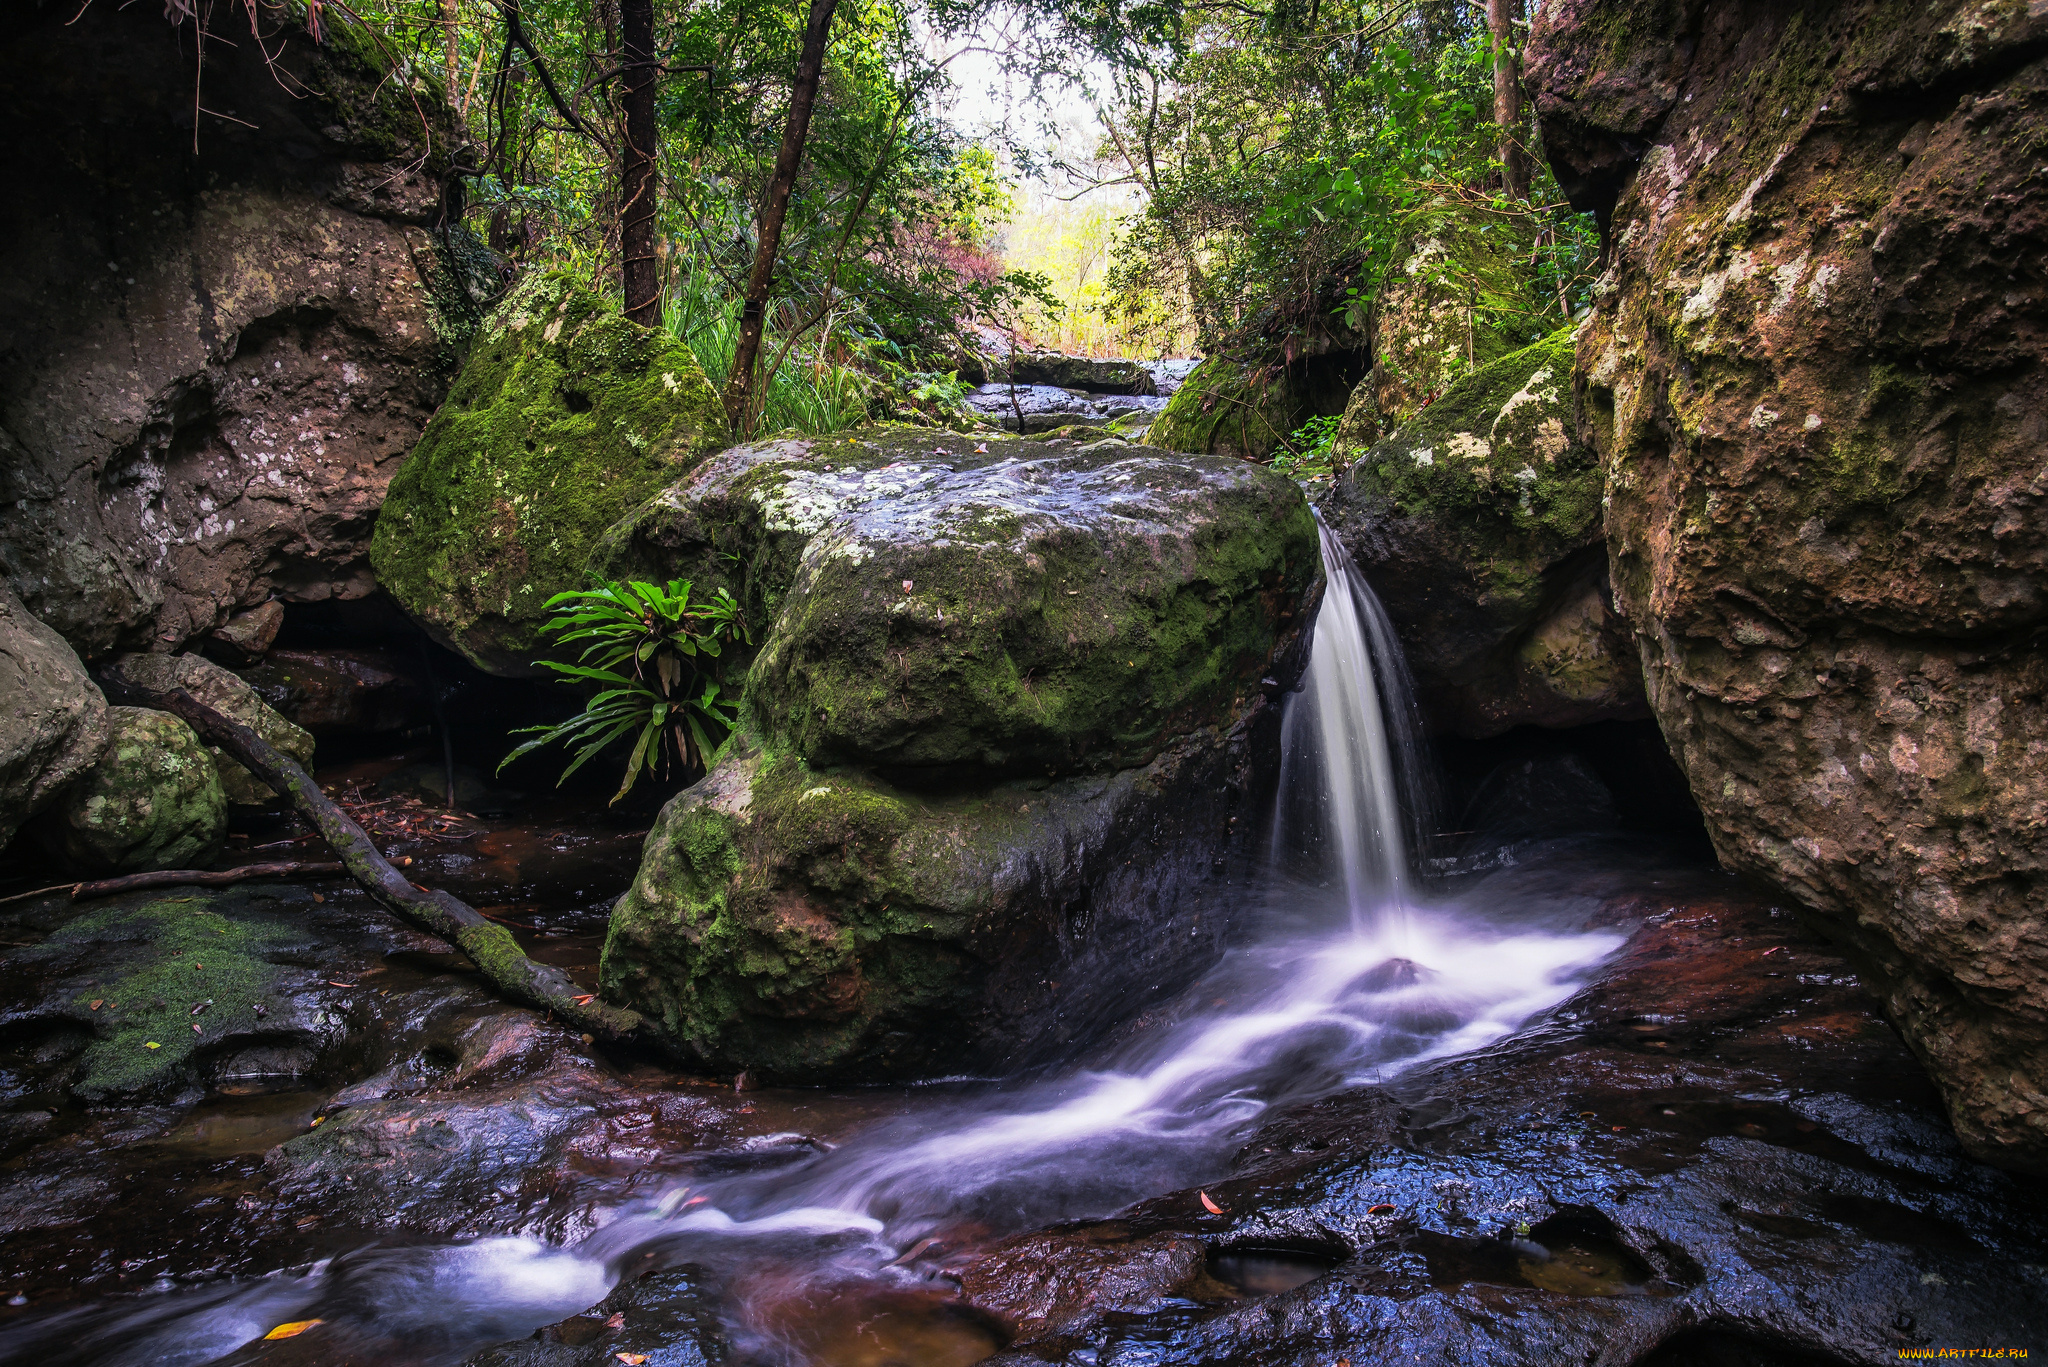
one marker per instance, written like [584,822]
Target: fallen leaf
[631,1359]
[96,1001]
[1382,1209]
[195,1027]
[585,999]
[318,898]
[1208,1204]
[617,1321]
[152,1045]
[695,1201]
[292,1330]
[316,1122]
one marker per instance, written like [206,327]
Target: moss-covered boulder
[152,801]
[1004,701]
[564,417]
[232,698]
[1479,525]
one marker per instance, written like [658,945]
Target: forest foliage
[1284,156]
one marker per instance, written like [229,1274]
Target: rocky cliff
[1814,375]
[216,342]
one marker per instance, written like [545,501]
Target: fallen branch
[166,878]
[489,946]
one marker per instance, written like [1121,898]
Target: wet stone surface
[1719,1149]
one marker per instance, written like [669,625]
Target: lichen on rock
[564,417]
[153,800]
[1479,524]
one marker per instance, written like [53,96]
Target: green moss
[167,957]
[564,417]
[1231,408]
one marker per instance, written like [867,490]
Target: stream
[835,1228]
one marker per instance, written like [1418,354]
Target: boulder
[53,722]
[1006,710]
[1478,524]
[233,699]
[341,692]
[1096,375]
[205,392]
[1814,373]
[152,801]
[1247,409]
[247,636]
[565,416]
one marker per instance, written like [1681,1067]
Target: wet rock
[247,636]
[884,877]
[53,724]
[1814,376]
[147,995]
[1479,525]
[1047,409]
[153,800]
[232,698]
[1720,1133]
[565,416]
[1090,374]
[1043,1284]
[1169,375]
[207,392]
[341,692]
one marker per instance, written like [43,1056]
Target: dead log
[169,878]
[489,945]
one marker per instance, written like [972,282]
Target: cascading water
[1348,982]
[1349,745]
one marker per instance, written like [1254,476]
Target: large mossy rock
[1005,708]
[152,801]
[1478,524]
[565,416]
[53,721]
[1815,375]
[228,695]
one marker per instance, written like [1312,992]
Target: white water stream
[1355,977]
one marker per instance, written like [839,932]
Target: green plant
[1312,446]
[644,646]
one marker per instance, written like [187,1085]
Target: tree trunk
[489,946]
[451,48]
[803,95]
[1503,18]
[639,271]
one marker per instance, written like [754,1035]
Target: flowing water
[1355,974]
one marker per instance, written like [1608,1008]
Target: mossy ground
[162,959]
[564,417]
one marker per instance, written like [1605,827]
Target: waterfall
[1351,783]
[1348,983]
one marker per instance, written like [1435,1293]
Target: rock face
[233,699]
[153,801]
[1478,524]
[1005,710]
[210,360]
[1815,376]
[53,722]
[1096,375]
[565,416]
